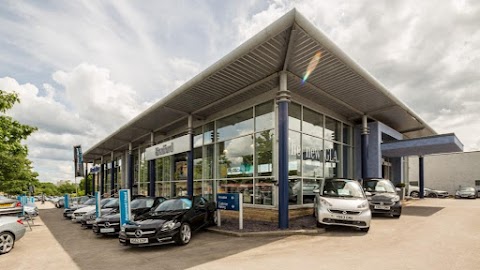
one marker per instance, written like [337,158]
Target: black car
[173,221]
[107,206]
[383,198]
[110,224]
[77,203]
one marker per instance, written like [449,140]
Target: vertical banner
[98,207]
[66,201]
[78,159]
[124,206]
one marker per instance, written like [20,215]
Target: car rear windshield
[379,185]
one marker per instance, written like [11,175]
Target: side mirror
[368,193]
[316,190]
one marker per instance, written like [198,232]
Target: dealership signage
[124,204]
[309,153]
[97,204]
[172,147]
[231,202]
[66,201]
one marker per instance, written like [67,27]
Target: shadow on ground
[420,211]
[94,252]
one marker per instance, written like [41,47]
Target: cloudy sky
[83,68]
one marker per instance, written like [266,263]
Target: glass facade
[236,154]
[319,147]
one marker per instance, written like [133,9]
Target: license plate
[108,230]
[138,240]
[382,207]
[90,221]
[342,217]
[5,205]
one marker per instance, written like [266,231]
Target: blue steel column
[283,99]
[190,158]
[102,172]
[94,175]
[86,179]
[112,177]
[364,146]
[130,169]
[421,186]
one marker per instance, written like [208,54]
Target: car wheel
[321,225]
[396,215]
[184,235]
[7,241]
[414,194]
[432,195]
[365,229]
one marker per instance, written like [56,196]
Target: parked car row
[462,192]
[153,221]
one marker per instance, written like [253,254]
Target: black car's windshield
[142,203]
[342,188]
[174,205]
[113,203]
[379,185]
[90,201]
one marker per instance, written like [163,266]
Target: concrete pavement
[38,249]
[431,234]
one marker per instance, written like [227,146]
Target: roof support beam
[241,91]
[412,129]
[291,44]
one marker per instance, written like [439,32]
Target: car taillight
[18,204]
[20,221]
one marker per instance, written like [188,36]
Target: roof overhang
[338,83]
[444,143]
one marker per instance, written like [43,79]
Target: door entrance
[387,169]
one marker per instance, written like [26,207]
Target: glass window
[209,159]
[235,125]
[208,136]
[236,157]
[347,134]
[295,116]
[294,153]
[347,167]
[312,123]
[197,137]
[309,185]
[332,129]
[159,170]
[180,168]
[167,168]
[197,163]
[264,117]
[163,189]
[207,187]
[136,166]
[312,155]
[264,191]
[331,159]
[294,191]
[143,167]
[179,188]
[264,149]
[197,188]
[243,186]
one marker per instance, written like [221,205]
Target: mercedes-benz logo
[107,224]
[138,233]
[344,212]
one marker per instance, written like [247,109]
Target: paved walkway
[432,234]
[38,249]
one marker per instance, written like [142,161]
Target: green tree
[67,188]
[16,172]
[81,185]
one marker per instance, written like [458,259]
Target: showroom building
[269,120]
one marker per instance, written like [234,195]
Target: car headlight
[363,205]
[170,225]
[325,203]
[396,199]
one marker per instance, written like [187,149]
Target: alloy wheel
[6,242]
[185,233]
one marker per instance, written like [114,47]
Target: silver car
[11,230]
[342,202]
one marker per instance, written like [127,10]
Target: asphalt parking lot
[433,233]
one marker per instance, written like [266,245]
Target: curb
[267,233]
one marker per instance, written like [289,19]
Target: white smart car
[342,202]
